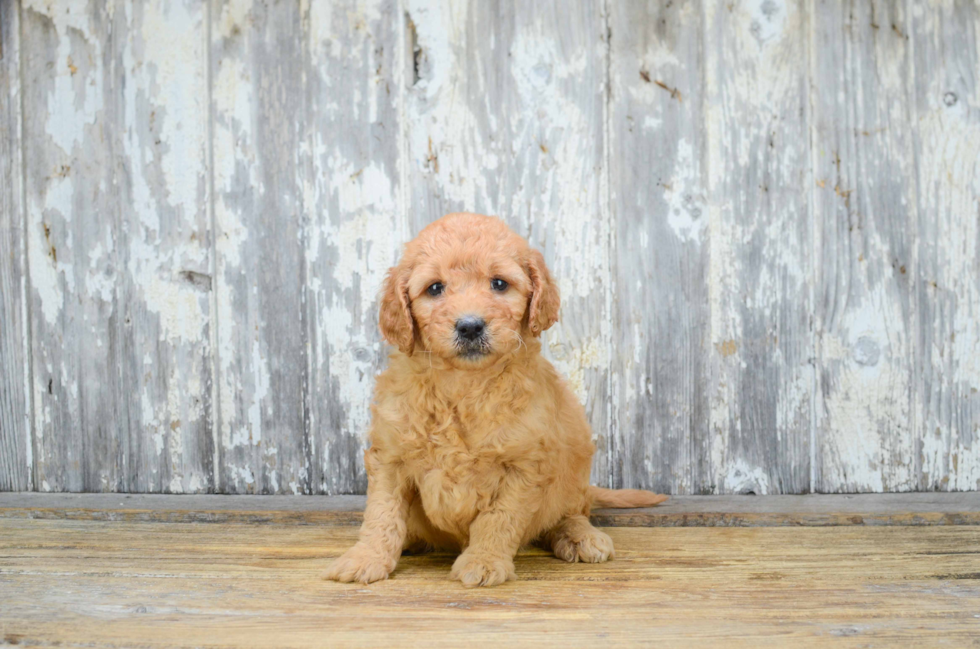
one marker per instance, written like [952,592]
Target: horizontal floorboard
[680,511]
[120,584]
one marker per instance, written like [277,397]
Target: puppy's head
[467,289]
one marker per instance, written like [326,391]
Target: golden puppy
[477,444]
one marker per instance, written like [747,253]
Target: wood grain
[259,116]
[679,511]
[757,133]
[864,214]
[946,140]
[763,217]
[356,224]
[120,584]
[505,116]
[658,189]
[117,243]
[76,450]
[16,454]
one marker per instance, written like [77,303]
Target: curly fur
[477,454]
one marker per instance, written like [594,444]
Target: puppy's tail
[624,498]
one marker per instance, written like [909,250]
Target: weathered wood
[16,456]
[680,511]
[73,380]
[864,212]
[259,114]
[657,186]
[764,224]
[355,222]
[125,584]
[946,137]
[505,116]
[758,157]
[117,242]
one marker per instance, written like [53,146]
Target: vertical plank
[946,82]
[258,110]
[159,78]
[658,196]
[355,78]
[505,116]
[77,423]
[864,211]
[758,161]
[117,242]
[16,453]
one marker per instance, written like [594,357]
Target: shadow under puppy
[477,444]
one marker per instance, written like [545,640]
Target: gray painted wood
[758,159]
[355,71]
[946,109]
[75,424]
[505,116]
[16,456]
[658,190]
[763,217]
[864,216]
[117,241]
[259,116]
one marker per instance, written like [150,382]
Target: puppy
[477,444]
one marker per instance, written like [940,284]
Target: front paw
[477,569]
[361,563]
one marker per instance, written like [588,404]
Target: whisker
[520,340]
[429,352]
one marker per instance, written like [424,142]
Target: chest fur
[457,469]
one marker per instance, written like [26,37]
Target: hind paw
[574,539]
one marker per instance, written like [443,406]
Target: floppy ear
[395,317]
[545,301]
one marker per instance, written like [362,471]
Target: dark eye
[498,284]
[435,289]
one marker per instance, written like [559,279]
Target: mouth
[472,350]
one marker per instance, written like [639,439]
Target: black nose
[470,327]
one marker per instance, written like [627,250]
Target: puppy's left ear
[395,318]
[545,301]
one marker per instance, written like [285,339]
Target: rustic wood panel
[16,453]
[763,217]
[147,584]
[259,114]
[356,224]
[864,220]
[757,133]
[658,190]
[117,241]
[946,137]
[64,73]
[505,114]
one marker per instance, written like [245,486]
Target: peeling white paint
[260,385]
[534,157]
[686,215]
[47,274]
[573,362]
[74,104]
[740,477]
[176,53]
[948,187]
[234,17]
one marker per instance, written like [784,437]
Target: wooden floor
[118,583]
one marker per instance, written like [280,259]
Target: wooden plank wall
[764,217]
[16,453]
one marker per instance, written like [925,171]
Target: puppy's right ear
[395,318]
